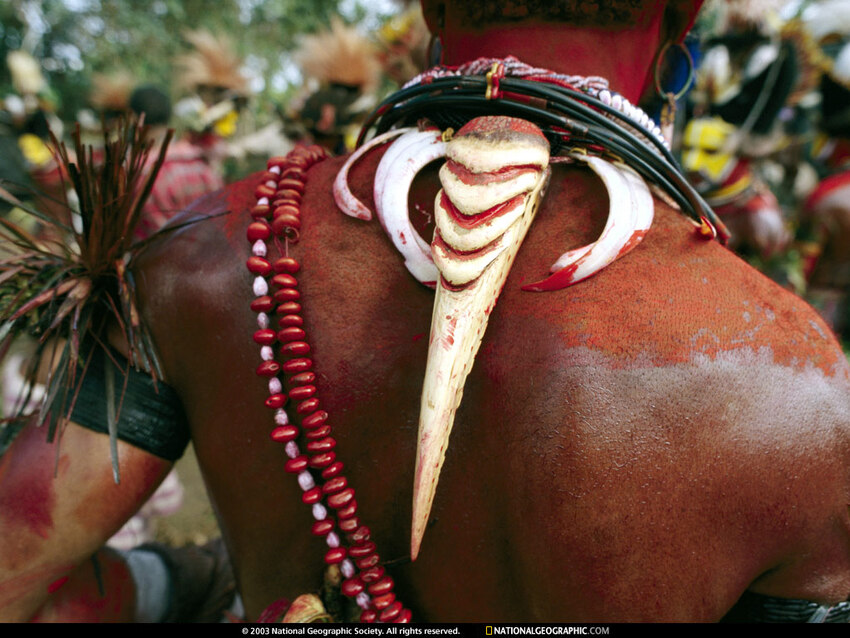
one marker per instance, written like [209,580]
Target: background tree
[75,38]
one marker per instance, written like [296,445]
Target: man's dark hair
[153,102]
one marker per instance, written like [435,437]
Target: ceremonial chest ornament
[514,121]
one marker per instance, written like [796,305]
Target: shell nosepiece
[493,181]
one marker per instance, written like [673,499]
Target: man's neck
[625,58]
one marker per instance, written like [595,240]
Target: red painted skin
[646,445]
[57,507]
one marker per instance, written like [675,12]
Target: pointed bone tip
[422,501]
[415,543]
[421,512]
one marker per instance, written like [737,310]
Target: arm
[58,505]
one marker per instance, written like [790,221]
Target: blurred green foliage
[75,38]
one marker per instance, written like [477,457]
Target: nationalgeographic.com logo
[551,630]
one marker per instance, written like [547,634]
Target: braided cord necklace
[576,114]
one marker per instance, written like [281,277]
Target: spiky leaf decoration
[67,286]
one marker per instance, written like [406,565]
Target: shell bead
[362,599]
[275,386]
[369,616]
[332,540]
[260,287]
[347,568]
[305,481]
[259,248]
[323,527]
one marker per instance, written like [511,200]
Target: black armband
[151,416]
[758,608]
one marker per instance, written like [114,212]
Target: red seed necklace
[277,216]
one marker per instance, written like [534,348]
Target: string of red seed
[277,216]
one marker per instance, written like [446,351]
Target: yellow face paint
[226,126]
[702,144]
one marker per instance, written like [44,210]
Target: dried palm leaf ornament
[65,287]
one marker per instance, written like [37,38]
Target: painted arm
[58,506]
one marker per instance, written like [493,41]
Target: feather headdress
[340,56]
[111,93]
[213,63]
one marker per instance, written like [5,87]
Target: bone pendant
[493,180]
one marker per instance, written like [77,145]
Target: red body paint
[27,484]
[56,584]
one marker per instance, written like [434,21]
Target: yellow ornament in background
[35,151]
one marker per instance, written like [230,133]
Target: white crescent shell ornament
[493,181]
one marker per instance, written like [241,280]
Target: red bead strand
[277,216]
